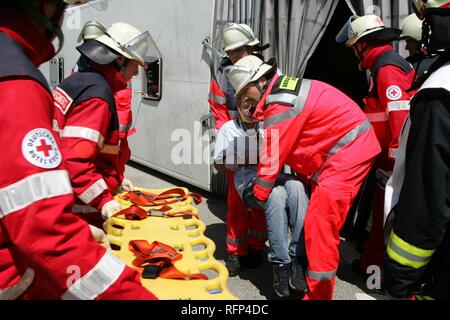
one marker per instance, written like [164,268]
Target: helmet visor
[347,31]
[138,47]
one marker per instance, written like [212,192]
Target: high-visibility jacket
[387,104]
[222,104]
[86,117]
[304,128]
[245,228]
[325,137]
[41,242]
[418,259]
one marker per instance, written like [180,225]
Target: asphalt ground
[252,284]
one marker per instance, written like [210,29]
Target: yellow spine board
[186,234]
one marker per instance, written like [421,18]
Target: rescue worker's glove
[110,208]
[248,197]
[100,236]
[127,185]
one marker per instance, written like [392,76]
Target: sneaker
[253,259]
[233,265]
[297,280]
[281,274]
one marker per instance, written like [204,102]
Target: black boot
[281,273]
[297,280]
[233,265]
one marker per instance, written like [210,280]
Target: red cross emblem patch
[40,149]
[393,93]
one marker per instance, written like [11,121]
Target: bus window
[152,81]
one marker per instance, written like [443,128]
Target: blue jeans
[286,208]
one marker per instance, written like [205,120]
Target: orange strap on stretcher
[160,255]
[137,213]
[146,199]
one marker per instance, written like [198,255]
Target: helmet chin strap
[122,67]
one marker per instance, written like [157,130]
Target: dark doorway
[336,64]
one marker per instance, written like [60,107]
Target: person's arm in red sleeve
[124,157]
[218,104]
[279,140]
[35,203]
[81,140]
[392,85]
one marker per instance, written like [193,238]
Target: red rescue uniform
[387,106]
[325,137]
[125,117]
[245,228]
[46,252]
[87,120]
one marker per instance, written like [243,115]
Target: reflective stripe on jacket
[307,123]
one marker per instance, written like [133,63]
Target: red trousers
[245,228]
[330,202]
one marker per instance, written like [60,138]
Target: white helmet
[91,30]
[238,35]
[358,28]
[121,39]
[411,27]
[247,70]
[127,41]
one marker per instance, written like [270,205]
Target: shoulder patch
[394,93]
[62,100]
[39,148]
[289,83]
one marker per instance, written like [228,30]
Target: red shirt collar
[373,54]
[35,44]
